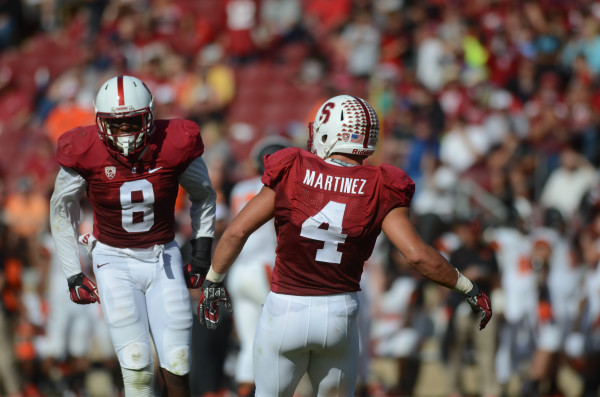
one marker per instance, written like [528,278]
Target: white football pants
[317,335]
[143,292]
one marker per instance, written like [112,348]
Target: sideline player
[131,166]
[329,210]
[248,281]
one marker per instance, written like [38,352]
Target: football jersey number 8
[137,201]
[332,215]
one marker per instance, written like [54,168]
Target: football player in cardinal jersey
[329,209]
[131,165]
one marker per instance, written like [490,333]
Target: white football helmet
[344,124]
[124,99]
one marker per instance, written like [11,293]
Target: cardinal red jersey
[327,219]
[133,204]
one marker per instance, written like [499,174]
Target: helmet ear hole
[323,138]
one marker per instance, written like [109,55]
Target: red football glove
[83,290]
[480,302]
[193,280]
[208,305]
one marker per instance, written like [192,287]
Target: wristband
[463,285]
[215,277]
[201,244]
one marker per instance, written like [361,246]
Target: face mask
[126,143]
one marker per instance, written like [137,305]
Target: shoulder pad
[181,133]
[277,164]
[283,156]
[76,144]
[182,141]
[399,182]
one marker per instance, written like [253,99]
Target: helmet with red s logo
[124,115]
[344,124]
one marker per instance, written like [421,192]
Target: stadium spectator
[282,19]
[68,104]
[26,211]
[433,60]
[588,325]
[13,26]
[209,88]
[10,374]
[361,42]
[476,259]
[463,144]
[586,42]
[243,40]
[566,185]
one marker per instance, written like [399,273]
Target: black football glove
[82,290]
[480,302]
[208,305]
[196,270]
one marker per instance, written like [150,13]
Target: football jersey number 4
[326,226]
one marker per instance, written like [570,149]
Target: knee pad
[178,360]
[135,356]
[138,382]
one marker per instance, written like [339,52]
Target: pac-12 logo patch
[110,171]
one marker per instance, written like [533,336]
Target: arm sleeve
[64,218]
[196,182]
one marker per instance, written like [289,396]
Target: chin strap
[327,151]
[340,162]
[313,130]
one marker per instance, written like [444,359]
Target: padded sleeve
[277,165]
[64,218]
[184,143]
[72,147]
[196,182]
[401,187]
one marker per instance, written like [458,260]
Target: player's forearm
[438,270]
[422,257]
[254,214]
[432,265]
[228,249]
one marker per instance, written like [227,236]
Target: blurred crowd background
[491,106]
